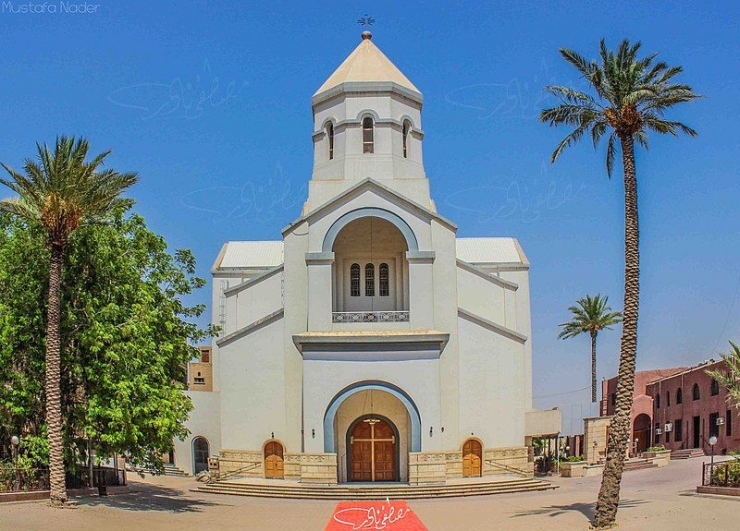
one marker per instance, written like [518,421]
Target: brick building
[690,407]
[679,408]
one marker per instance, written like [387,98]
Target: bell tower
[367,124]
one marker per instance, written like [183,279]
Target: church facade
[369,344]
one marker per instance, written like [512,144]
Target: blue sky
[210,103]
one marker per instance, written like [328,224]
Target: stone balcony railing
[371,317]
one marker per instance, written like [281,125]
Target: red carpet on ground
[381,515]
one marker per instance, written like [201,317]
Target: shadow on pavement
[143,497]
[586,509]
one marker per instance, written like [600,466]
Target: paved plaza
[654,499]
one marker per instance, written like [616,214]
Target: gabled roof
[380,189]
[490,251]
[367,64]
[254,254]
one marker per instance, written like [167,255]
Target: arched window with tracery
[330,139]
[406,132]
[354,280]
[368,135]
[369,280]
[384,289]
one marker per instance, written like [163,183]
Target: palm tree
[730,378]
[60,192]
[630,97]
[591,315]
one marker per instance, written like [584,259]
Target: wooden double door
[472,454]
[274,462]
[372,449]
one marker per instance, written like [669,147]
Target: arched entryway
[472,458]
[641,433]
[200,454]
[372,450]
[274,460]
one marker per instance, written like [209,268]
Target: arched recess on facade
[400,394]
[349,217]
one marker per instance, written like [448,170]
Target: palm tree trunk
[53,379]
[619,430]
[593,368]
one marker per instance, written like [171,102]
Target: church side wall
[258,300]
[492,394]
[204,421]
[253,405]
[524,324]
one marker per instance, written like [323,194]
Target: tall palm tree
[591,315]
[630,97]
[60,192]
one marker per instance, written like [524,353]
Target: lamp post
[712,442]
[14,442]
[567,451]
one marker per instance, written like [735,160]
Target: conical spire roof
[367,64]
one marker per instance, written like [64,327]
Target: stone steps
[638,464]
[687,453]
[172,470]
[396,491]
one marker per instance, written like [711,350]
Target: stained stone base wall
[498,461]
[425,468]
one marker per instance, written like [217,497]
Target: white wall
[204,421]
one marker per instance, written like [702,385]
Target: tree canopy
[126,338]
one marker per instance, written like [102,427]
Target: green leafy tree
[126,338]
[627,99]
[731,377]
[61,192]
[591,315]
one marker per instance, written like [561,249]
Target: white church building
[368,344]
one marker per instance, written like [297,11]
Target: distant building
[641,417]
[679,408]
[200,373]
[690,407]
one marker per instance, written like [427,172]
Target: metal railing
[370,317]
[508,468]
[79,477]
[725,474]
[238,471]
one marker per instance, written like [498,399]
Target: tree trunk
[619,431]
[593,368]
[52,380]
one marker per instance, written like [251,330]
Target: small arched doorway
[641,433]
[372,450]
[200,454]
[472,458]
[274,461]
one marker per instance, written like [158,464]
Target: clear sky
[210,102]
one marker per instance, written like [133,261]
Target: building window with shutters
[354,280]
[369,280]
[678,430]
[368,135]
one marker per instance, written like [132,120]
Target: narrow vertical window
[728,423]
[369,280]
[695,394]
[679,396]
[667,399]
[354,280]
[406,131]
[367,135]
[715,387]
[384,288]
[657,401]
[330,138]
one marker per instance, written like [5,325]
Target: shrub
[660,448]
[727,475]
